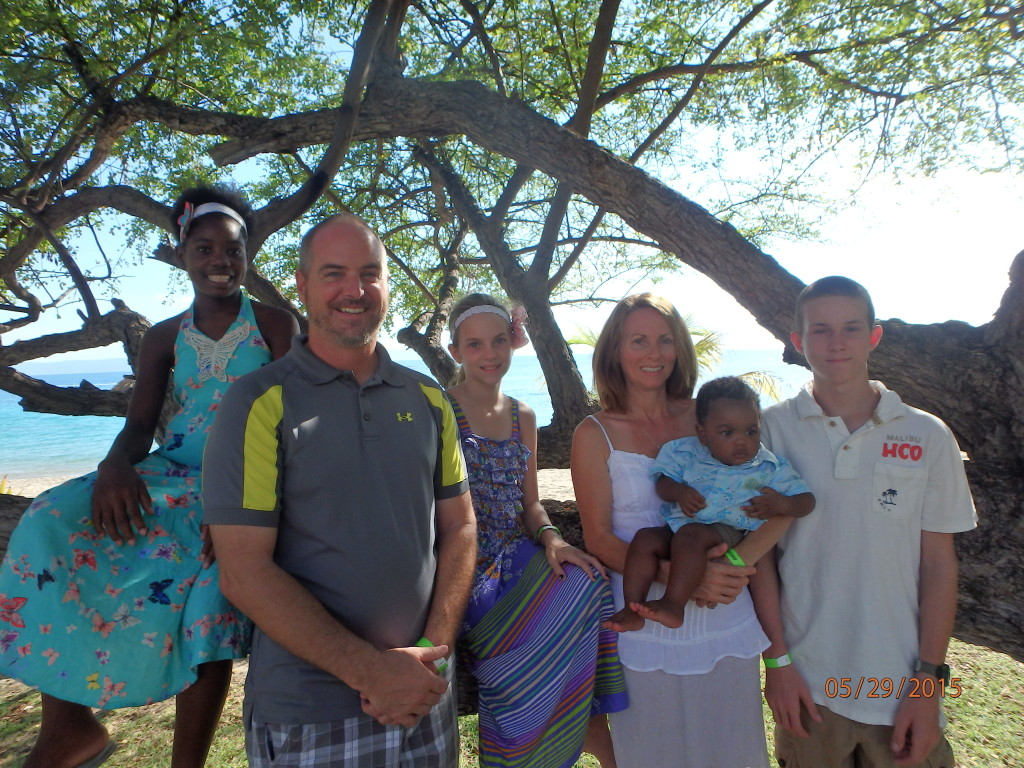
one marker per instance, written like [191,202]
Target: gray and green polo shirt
[348,475]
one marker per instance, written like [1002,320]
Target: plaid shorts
[358,742]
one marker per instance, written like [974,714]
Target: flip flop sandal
[100,757]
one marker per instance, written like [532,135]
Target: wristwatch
[940,671]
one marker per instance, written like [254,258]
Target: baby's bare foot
[626,620]
[662,611]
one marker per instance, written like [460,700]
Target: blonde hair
[609,379]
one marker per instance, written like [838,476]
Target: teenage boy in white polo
[856,669]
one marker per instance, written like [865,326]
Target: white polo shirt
[850,569]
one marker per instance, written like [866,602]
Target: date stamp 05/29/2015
[885,687]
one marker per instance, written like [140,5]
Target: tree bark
[85,400]
[440,364]
[121,324]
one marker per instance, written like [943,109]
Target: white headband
[477,310]
[191,214]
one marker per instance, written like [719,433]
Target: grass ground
[986,722]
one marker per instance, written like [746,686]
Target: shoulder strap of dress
[603,432]
[246,310]
[460,417]
[515,418]
[186,316]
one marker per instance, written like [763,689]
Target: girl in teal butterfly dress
[109,591]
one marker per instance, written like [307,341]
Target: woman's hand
[118,500]
[722,582]
[558,551]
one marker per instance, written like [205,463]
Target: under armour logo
[404,416]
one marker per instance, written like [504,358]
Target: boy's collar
[889,405]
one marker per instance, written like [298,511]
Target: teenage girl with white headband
[547,671]
[109,589]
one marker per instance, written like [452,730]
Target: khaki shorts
[728,534]
[731,536]
[838,742]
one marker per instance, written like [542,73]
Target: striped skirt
[544,664]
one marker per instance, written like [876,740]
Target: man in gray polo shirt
[337,498]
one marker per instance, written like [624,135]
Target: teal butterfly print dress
[110,626]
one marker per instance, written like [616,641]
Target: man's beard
[354,337]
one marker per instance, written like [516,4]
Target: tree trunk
[11,509]
[570,401]
[437,360]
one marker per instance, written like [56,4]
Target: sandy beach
[554,484]
[33,486]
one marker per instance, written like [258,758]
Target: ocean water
[42,444]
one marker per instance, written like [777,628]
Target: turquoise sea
[41,444]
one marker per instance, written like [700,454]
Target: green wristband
[733,557]
[442,663]
[782,661]
[540,531]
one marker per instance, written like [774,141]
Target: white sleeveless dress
[694,691]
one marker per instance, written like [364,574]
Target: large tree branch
[699,76]
[408,107]
[677,224]
[909,37]
[412,107]
[597,56]
[119,325]
[280,213]
[84,400]
[72,268]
